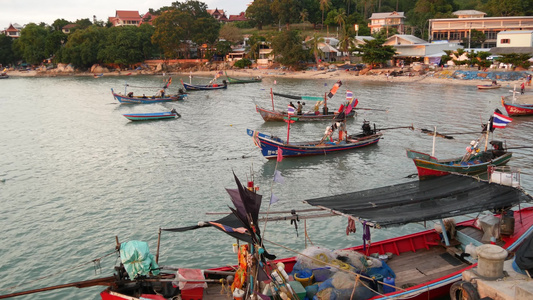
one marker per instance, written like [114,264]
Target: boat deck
[424,265]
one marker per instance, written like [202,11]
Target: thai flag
[349,95]
[500,121]
[290,110]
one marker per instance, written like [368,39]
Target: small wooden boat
[270,144]
[130,99]
[208,87]
[152,116]
[429,166]
[278,115]
[515,109]
[489,86]
[233,80]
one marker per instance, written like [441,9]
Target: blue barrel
[388,289]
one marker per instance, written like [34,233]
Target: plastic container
[388,289]
[192,294]
[304,279]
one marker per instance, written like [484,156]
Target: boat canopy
[416,201]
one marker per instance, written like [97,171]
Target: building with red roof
[126,18]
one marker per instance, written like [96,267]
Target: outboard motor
[367,130]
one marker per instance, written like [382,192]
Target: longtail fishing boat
[514,107]
[131,99]
[429,166]
[270,145]
[233,80]
[205,87]
[153,116]
[419,265]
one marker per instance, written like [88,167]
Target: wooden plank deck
[414,268]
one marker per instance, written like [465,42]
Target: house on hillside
[68,28]
[387,20]
[361,39]
[148,18]
[218,14]
[454,30]
[13,30]
[126,18]
[411,48]
[236,18]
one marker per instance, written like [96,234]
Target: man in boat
[291,104]
[162,93]
[299,109]
[494,82]
[130,94]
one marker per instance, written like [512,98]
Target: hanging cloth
[366,235]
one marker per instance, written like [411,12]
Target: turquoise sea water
[74,173]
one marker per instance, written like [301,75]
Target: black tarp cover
[425,200]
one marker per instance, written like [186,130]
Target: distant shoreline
[431,77]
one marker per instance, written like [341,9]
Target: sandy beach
[428,77]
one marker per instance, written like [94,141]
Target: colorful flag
[351,106]
[349,95]
[280,154]
[169,81]
[273,199]
[290,110]
[500,121]
[334,89]
[278,178]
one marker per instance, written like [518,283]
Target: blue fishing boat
[269,144]
[207,87]
[131,99]
[153,116]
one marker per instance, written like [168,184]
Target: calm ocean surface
[74,173]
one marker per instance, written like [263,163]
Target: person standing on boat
[299,109]
[291,104]
[162,93]
[522,87]
[529,79]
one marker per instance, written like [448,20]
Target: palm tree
[314,44]
[324,4]
[346,42]
[341,17]
[303,16]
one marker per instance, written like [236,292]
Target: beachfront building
[410,48]
[126,18]
[455,30]
[13,31]
[386,21]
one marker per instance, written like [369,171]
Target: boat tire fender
[463,290]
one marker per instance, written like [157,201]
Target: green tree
[314,45]
[259,11]
[53,42]
[59,24]
[517,60]
[255,42]
[287,47]
[231,33]
[286,11]
[83,23]
[374,52]
[506,8]
[125,45]
[346,40]
[7,56]
[476,40]
[324,5]
[82,47]
[31,44]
